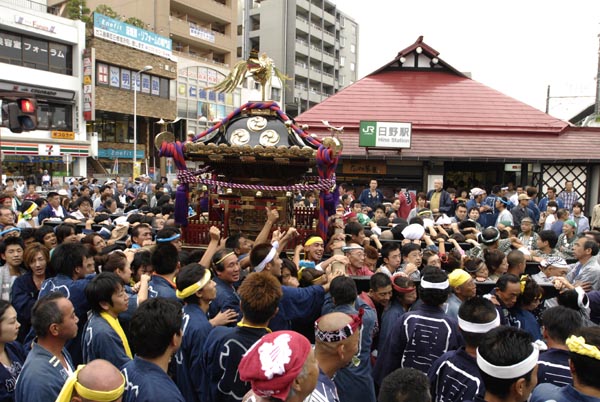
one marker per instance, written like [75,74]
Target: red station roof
[453,117]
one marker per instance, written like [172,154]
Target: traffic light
[10,117]
[28,113]
[20,115]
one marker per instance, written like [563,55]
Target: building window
[352,66]
[164,88]
[115,77]
[124,79]
[102,73]
[342,61]
[275,93]
[35,53]
[54,116]
[354,29]
[353,48]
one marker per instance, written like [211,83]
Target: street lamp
[135,90]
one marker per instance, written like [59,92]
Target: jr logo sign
[378,134]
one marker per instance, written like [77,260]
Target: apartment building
[40,57]
[200,29]
[312,41]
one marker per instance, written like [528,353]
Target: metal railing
[33,5]
[195,56]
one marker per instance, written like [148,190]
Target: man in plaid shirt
[569,196]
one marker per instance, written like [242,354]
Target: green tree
[136,22]
[107,11]
[77,10]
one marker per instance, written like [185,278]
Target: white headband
[435,285]
[268,258]
[509,372]
[479,328]
[581,301]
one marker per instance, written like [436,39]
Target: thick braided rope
[173,150]
[186,177]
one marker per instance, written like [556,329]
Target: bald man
[336,344]
[97,376]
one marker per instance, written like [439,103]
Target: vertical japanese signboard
[378,134]
[89,112]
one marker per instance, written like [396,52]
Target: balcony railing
[33,5]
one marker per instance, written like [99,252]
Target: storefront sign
[364,167]
[42,25]
[31,159]
[49,149]
[63,135]
[44,92]
[512,167]
[89,97]
[119,153]
[201,33]
[378,134]
[131,36]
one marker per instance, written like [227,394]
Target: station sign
[380,134]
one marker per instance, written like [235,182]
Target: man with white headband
[507,360]
[584,362]
[197,289]
[454,376]
[410,342]
[295,303]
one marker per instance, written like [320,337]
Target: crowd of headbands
[423,298]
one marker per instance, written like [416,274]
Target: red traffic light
[27,106]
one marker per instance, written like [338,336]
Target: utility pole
[597,108]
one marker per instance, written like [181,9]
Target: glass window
[102,74]
[145,83]
[122,131]
[155,86]
[35,53]
[352,66]
[181,107]
[191,109]
[10,48]
[125,79]
[275,93]
[353,48]
[164,88]
[61,59]
[52,116]
[115,77]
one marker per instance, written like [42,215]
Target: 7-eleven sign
[49,149]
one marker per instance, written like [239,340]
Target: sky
[517,47]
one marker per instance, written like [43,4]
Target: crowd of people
[423,297]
